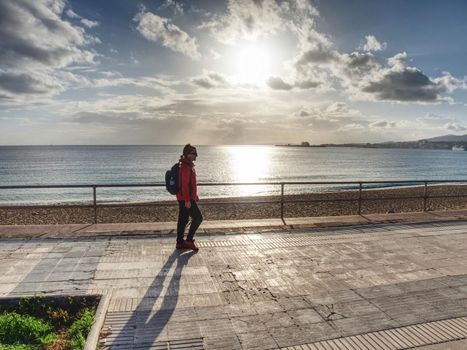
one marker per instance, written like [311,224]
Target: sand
[326,204]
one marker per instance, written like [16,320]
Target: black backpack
[171,179]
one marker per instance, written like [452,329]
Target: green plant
[16,328]
[17,347]
[79,330]
[31,305]
[44,323]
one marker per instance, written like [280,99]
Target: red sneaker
[190,245]
[180,245]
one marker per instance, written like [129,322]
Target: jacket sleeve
[185,173]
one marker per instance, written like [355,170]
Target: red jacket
[186,172]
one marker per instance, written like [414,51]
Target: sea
[136,165]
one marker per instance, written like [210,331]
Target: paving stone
[257,340]
[260,290]
[305,316]
[222,343]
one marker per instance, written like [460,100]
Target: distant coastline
[421,144]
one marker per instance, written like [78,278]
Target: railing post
[282,202]
[425,193]
[94,203]
[359,198]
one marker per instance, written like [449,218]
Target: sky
[231,72]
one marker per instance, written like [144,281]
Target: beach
[254,207]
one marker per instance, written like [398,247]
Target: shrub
[80,328]
[17,347]
[16,328]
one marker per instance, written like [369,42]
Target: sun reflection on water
[249,164]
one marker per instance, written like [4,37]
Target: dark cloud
[277,83]
[318,55]
[409,84]
[383,124]
[22,83]
[307,84]
[33,34]
[360,60]
[210,80]
[35,44]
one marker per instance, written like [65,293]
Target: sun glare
[252,65]
[250,164]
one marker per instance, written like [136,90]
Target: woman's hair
[189,149]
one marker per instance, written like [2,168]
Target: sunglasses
[194,152]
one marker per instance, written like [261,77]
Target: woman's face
[192,156]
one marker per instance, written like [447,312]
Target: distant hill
[448,138]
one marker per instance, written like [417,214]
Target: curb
[93,336]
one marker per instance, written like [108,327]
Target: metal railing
[359,186]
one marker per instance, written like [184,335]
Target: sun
[252,64]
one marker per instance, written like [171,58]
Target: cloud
[454,127]
[34,36]
[372,44]
[382,124]
[307,84]
[161,30]
[210,80]
[450,83]
[88,23]
[366,78]
[72,14]
[215,55]
[438,122]
[84,21]
[277,83]
[406,85]
[133,59]
[172,4]
[327,111]
[13,83]
[245,20]
[36,45]
[434,121]
[318,54]
[398,61]
[360,74]
[351,127]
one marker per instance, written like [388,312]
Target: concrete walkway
[373,286]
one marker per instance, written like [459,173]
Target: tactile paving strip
[287,242]
[408,337]
[195,344]
[126,331]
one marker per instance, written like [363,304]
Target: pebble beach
[309,204]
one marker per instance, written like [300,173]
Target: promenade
[392,281]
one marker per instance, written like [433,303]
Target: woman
[187,197]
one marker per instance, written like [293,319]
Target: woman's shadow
[144,327]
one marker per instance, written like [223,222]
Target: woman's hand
[187,204]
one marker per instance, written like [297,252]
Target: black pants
[183,214]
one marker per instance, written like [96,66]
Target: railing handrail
[359,187]
[259,183]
